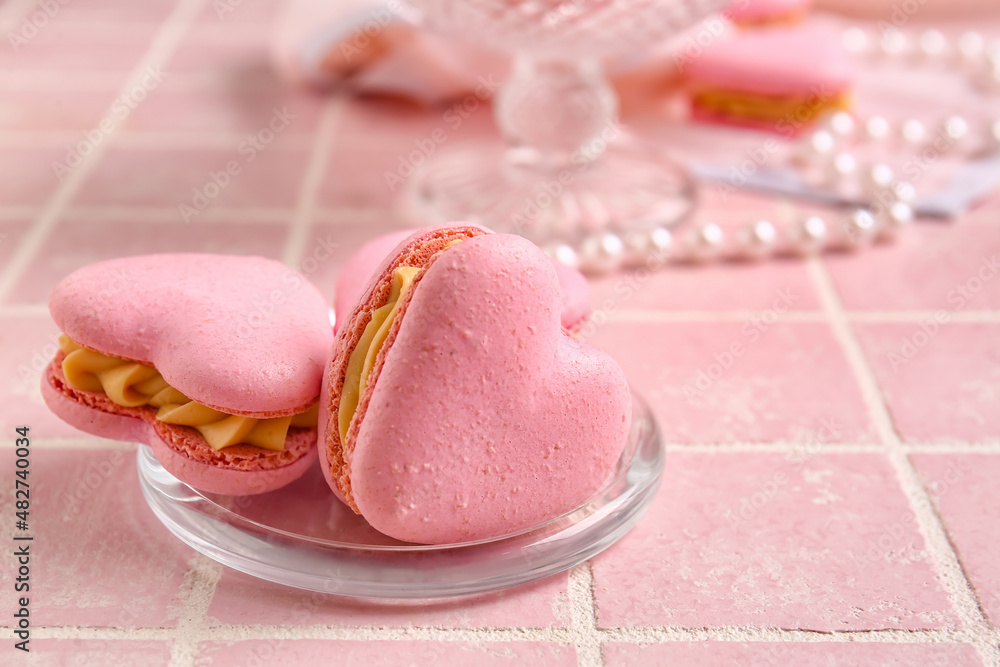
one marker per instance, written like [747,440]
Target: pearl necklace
[821,156]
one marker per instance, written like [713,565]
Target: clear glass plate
[302,536]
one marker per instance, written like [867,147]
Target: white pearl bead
[903,191]
[877,179]
[660,242]
[955,127]
[912,131]
[893,42]
[602,252]
[970,45]
[855,40]
[895,218]
[705,242]
[808,235]
[858,229]
[564,254]
[651,247]
[844,165]
[841,124]
[932,43]
[876,128]
[817,147]
[758,239]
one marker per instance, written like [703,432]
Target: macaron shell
[127,427]
[574,290]
[244,335]
[807,60]
[357,270]
[485,417]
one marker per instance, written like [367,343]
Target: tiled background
[822,505]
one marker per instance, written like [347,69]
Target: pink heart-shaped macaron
[245,336]
[483,416]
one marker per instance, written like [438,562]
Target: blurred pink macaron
[574,291]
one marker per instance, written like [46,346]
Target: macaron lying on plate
[214,361]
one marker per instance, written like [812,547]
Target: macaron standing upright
[456,407]
[214,361]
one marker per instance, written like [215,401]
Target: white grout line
[917,316]
[200,580]
[951,575]
[583,612]
[178,140]
[784,447]
[639,634]
[305,206]
[661,635]
[738,316]
[163,45]
[162,214]
[953,447]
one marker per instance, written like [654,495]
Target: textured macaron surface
[244,335]
[485,417]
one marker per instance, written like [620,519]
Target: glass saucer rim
[400,573]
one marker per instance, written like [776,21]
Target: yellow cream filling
[131,384]
[769,107]
[362,358]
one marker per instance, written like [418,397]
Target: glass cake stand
[302,536]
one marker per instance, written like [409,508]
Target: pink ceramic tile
[56,110]
[746,204]
[69,46]
[240,599]
[933,266]
[11,233]
[98,653]
[732,381]
[383,654]
[382,143]
[941,382]
[965,490]
[75,243]
[238,12]
[399,121]
[250,174]
[100,556]
[230,110]
[818,654]
[27,176]
[783,286]
[375,176]
[236,53]
[809,541]
[114,11]
[330,245]
[27,345]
